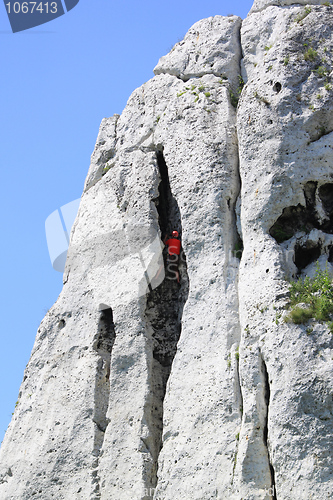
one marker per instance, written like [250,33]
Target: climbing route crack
[163,315]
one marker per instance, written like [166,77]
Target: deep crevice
[267,395]
[168,211]
[163,315]
[102,344]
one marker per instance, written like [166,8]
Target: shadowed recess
[265,430]
[306,254]
[163,315]
[102,344]
[305,218]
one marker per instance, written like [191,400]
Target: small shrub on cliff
[235,98]
[300,315]
[321,71]
[303,15]
[237,354]
[106,169]
[310,54]
[241,84]
[311,298]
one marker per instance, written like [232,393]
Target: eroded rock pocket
[300,220]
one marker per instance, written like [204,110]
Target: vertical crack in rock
[103,343]
[239,386]
[233,239]
[237,236]
[240,395]
[168,211]
[265,430]
[237,252]
[163,316]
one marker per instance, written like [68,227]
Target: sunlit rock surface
[140,387]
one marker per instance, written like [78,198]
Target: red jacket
[174,246]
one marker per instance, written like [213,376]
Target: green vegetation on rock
[106,169]
[312,298]
[234,98]
[310,54]
[303,15]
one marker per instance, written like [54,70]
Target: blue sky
[57,82]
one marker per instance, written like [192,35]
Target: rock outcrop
[140,387]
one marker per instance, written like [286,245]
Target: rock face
[140,387]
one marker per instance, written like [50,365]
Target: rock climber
[174,247]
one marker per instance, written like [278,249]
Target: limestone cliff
[142,388]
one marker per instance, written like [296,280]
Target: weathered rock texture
[197,390]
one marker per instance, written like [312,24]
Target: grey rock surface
[211,46]
[103,152]
[285,149]
[259,5]
[140,387]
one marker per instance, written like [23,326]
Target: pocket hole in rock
[306,254]
[277,87]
